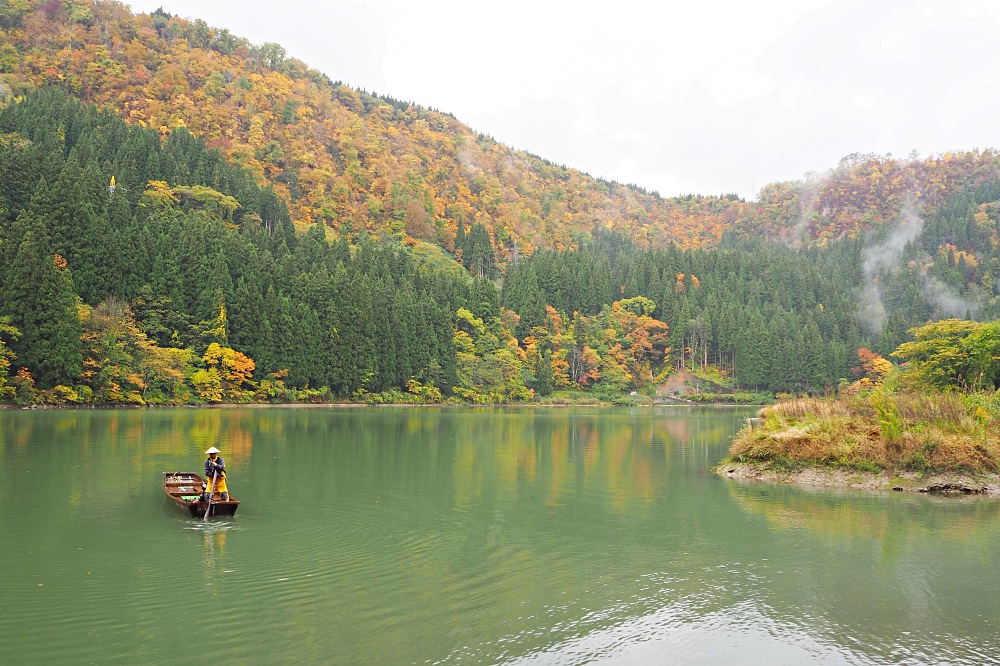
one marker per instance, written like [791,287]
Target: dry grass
[937,434]
[944,407]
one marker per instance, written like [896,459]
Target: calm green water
[460,536]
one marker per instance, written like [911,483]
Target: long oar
[211,491]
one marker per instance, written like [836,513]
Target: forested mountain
[174,279]
[355,161]
[215,221]
[364,163]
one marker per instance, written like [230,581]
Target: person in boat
[215,464]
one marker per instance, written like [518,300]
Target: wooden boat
[184,490]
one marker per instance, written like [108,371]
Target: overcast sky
[700,96]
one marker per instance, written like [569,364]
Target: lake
[469,536]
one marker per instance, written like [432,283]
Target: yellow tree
[560,353]
[634,339]
[10,332]
[112,346]
[233,369]
[165,369]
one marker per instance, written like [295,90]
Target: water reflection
[895,576]
[884,516]
[469,535]
[214,542]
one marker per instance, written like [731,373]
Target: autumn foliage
[357,162]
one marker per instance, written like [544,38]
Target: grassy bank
[875,432]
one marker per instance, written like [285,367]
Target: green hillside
[187,217]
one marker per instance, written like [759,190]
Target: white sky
[700,96]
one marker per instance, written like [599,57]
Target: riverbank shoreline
[316,405]
[896,481]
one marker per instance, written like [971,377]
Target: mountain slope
[356,162]
[363,164]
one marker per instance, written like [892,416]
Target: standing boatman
[215,464]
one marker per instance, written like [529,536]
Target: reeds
[946,407]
